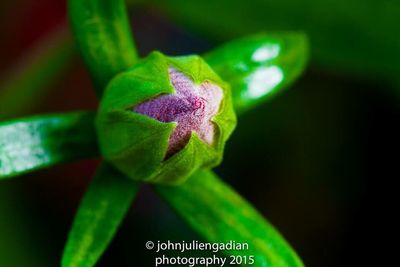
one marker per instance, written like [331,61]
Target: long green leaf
[41,141]
[220,214]
[104,37]
[257,67]
[100,214]
[23,86]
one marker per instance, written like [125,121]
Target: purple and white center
[192,107]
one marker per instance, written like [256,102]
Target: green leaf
[101,212]
[257,67]
[41,141]
[24,84]
[104,37]
[220,214]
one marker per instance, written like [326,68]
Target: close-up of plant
[164,121]
[198,133]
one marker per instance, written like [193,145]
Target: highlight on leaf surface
[259,66]
[37,142]
[164,118]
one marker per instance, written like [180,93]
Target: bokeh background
[320,160]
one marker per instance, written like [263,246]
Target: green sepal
[137,144]
[220,214]
[259,66]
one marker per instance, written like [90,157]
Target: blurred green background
[319,161]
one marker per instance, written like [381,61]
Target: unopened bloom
[164,118]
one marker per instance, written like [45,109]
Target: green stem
[104,37]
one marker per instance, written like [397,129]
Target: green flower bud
[164,118]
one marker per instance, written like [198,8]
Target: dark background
[320,161]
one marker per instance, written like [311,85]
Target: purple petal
[192,107]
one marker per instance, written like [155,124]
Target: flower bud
[164,118]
